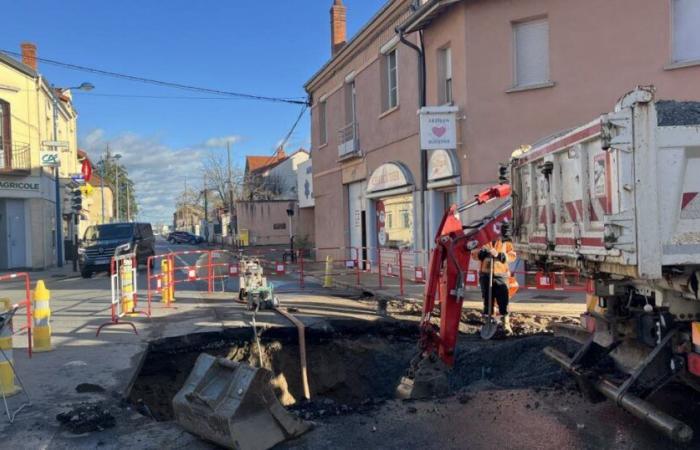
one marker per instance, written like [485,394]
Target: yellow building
[27,193]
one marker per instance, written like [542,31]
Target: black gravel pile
[87,417]
[673,113]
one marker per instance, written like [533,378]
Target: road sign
[64,144]
[49,158]
[78,178]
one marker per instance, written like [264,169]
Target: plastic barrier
[26,303]
[326,263]
[123,277]
[553,281]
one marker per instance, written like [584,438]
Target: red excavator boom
[449,264]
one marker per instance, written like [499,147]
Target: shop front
[391,191]
[27,223]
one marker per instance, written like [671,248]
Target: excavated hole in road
[353,365]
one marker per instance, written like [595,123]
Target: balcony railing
[14,158]
[349,139]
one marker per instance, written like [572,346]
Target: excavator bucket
[233,404]
[426,378]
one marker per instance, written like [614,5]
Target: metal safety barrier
[124,288]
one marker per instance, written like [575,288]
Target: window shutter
[686,30]
[531,52]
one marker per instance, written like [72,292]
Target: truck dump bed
[620,194]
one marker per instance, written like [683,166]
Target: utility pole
[128,203]
[233,226]
[57,186]
[102,184]
[206,212]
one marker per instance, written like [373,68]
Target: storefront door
[17,238]
[358,230]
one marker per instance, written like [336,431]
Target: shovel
[490,326]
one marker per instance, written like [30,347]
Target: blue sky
[230,45]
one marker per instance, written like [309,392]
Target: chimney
[338,26]
[29,54]
[280,152]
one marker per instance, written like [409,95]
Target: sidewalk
[525,301]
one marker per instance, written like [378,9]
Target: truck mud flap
[234,405]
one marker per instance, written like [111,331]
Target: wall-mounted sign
[390,175]
[49,158]
[20,185]
[438,127]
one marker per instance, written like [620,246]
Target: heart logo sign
[439,131]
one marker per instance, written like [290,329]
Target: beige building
[97,200]
[28,219]
[499,73]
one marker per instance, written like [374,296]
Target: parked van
[100,242]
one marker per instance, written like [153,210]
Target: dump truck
[618,199]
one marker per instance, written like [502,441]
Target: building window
[389,220]
[390,80]
[322,131]
[350,104]
[5,141]
[686,31]
[445,76]
[405,218]
[531,52]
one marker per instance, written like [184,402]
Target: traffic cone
[328,278]
[41,334]
[7,375]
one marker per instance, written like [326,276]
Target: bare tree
[216,174]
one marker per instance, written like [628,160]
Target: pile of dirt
[87,417]
[509,363]
[523,324]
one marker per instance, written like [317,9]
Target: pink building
[503,73]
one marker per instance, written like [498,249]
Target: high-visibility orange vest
[499,268]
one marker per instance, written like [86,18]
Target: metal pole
[116,177]
[59,219]
[230,191]
[128,204]
[102,187]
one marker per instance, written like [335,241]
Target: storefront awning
[443,169]
[392,178]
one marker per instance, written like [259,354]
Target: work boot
[505,321]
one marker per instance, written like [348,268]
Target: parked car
[100,242]
[184,237]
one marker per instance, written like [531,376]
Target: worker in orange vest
[500,253]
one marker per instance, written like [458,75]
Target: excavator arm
[445,286]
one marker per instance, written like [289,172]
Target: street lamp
[59,219]
[117,157]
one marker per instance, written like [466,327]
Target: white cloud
[158,171]
[220,142]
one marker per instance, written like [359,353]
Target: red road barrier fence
[26,303]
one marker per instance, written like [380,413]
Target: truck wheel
[86,273]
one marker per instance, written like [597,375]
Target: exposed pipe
[641,409]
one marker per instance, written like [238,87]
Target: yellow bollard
[127,286]
[328,278]
[7,375]
[41,334]
[167,292]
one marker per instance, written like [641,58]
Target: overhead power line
[289,134]
[161,82]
